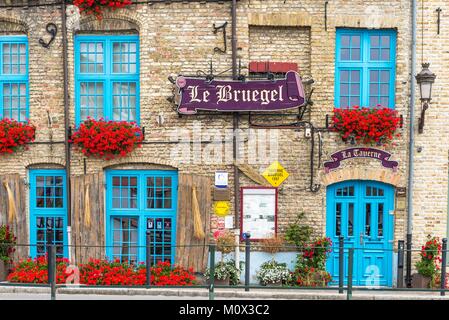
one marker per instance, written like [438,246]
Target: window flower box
[107,139]
[374,126]
[15,135]
[96,7]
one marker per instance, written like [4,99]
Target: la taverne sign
[352,153]
[231,96]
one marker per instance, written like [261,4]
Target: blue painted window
[365,69]
[137,202]
[107,77]
[48,209]
[14,77]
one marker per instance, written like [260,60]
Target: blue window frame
[48,209]
[107,77]
[14,89]
[365,70]
[137,202]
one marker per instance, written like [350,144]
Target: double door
[361,212]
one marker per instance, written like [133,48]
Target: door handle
[361,238]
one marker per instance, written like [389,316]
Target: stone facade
[177,38]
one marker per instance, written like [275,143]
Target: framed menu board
[258,212]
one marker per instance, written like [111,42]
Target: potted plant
[428,266]
[310,268]
[226,273]
[7,242]
[273,273]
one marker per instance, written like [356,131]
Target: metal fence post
[350,271]
[247,260]
[443,267]
[400,280]
[52,277]
[212,272]
[50,270]
[341,255]
[148,259]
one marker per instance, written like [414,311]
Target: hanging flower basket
[96,7]
[366,125]
[15,135]
[107,139]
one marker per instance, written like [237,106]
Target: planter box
[224,282]
[3,270]
[272,284]
[420,281]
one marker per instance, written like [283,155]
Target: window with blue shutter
[107,77]
[48,211]
[138,202]
[365,70]
[14,89]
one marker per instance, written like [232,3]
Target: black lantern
[425,80]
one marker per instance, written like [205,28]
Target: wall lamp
[425,80]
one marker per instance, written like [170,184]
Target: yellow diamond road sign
[275,174]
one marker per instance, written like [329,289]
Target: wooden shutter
[19,223]
[195,253]
[88,239]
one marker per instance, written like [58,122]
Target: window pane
[350,219]
[338,219]
[368,219]
[380,218]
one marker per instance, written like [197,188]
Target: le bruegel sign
[351,153]
[230,96]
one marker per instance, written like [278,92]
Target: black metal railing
[345,254]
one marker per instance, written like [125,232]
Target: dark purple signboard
[230,96]
[352,153]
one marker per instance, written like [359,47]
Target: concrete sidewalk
[202,293]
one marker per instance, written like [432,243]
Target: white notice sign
[259,209]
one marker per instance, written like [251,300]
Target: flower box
[374,126]
[107,139]
[96,7]
[420,281]
[3,270]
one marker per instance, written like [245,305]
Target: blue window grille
[365,70]
[48,210]
[107,77]
[138,202]
[14,89]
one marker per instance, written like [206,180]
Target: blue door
[360,212]
[139,202]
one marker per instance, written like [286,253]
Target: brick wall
[173,40]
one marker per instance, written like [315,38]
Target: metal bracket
[422,118]
[439,19]
[223,26]
[52,29]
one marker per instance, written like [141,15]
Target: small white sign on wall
[221,179]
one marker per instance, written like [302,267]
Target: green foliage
[297,233]
[224,270]
[428,266]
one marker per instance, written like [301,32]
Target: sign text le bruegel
[230,96]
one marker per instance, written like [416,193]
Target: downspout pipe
[235,127]
[66,125]
[411,153]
